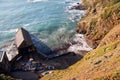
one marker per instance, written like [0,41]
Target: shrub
[106,14]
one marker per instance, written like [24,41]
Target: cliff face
[101,27]
[102,16]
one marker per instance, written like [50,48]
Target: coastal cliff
[101,17]
[101,27]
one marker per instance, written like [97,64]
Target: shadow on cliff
[63,59]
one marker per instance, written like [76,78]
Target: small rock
[97,62]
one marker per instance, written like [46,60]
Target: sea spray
[78,43]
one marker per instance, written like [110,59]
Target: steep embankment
[102,63]
[112,36]
[99,64]
[102,16]
[101,27]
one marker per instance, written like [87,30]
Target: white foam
[36,1]
[61,29]
[25,25]
[79,44]
[74,15]
[9,31]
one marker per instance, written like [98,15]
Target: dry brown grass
[100,63]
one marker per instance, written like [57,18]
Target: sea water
[49,20]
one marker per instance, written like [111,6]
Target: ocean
[49,20]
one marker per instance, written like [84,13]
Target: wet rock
[78,7]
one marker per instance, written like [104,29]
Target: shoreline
[69,43]
[71,46]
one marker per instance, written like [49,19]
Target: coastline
[71,40]
[78,40]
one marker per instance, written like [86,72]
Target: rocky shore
[78,6]
[101,29]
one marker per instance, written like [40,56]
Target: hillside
[101,17]
[100,64]
[101,27]
[113,35]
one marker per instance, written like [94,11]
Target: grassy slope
[103,63]
[112,36]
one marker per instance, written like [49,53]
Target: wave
[74,15]
[36,1]
[9,31]
[78,43]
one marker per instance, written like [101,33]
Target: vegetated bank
[102,16]
[101,27]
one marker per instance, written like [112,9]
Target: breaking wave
[78,43]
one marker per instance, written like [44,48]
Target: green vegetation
[106,14]
[111,3]
[102,50]
[115,75]
[3,77]
[114,7]
[90,62]
[93,23]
